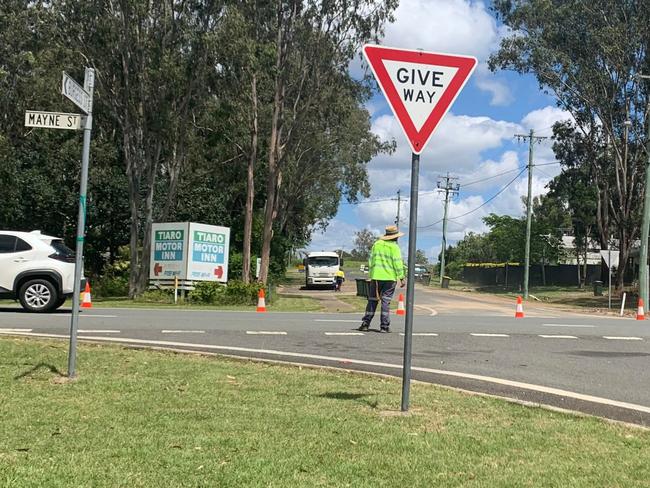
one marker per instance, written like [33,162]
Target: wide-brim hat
[392,232]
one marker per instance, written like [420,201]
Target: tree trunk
[250,187]
[271,181]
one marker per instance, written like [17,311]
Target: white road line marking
[557,336]
[344,333]
[338,320]
[180,331]
[15,330]
[430,334]
[265,332]
[477,334]
[273,352]
[99,316]
[615,338]
[567,325]
[98,331]
[428,309]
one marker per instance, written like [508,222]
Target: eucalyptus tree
[588,54]
[152,60]
[314,42]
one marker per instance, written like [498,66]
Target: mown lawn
[137,418]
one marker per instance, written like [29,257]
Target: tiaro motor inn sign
[189,251]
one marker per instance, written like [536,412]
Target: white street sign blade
[75,92]
[54,120]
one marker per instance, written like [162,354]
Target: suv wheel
[38,295]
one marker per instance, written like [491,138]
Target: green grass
[277,304]
[137,418]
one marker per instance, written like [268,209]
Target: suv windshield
[323,261]
[61,249]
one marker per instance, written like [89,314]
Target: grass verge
[278,304]
[137,418]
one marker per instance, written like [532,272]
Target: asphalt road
[592,364]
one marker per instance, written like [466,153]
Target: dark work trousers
[379,291]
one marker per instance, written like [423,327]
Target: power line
[491,177]
[480,206]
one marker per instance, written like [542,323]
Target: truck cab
[321,268]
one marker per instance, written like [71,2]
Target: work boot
[364,327]
[385,330]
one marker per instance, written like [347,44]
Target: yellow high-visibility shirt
[386,261]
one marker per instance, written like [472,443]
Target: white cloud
[452,26]
[500,92]
[542,120]
[337,235]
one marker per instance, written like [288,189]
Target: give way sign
[420,86]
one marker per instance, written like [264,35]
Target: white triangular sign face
[419,87]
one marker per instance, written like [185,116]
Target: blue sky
[473,142]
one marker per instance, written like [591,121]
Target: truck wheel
[38,295]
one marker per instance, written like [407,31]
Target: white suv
[36,269]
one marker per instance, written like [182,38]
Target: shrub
[157,296]
[236,293]
[115,280]
[207,292]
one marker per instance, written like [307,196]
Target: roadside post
[611,259]
[83,98]
[420,88]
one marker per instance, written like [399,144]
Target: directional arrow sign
[157,269]
[218,272]
[75,92]
[420,87]
[54,120]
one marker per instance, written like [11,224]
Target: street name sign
[75,92]
[54,120]
[420,87]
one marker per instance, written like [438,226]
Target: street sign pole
[410,283]
[89,84]
[609,271]
[419,87]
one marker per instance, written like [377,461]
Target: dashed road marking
[265,332]
[98,331]
[479,334]
[180,331]
[622,338]
[99,316]
[544,336]
[15,330]
[568,325]
[425,334]
[344,333]
[338,320]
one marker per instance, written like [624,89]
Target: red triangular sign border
[376,55]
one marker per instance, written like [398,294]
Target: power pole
[532,138]
[398,207]
[446,186]
[645,223]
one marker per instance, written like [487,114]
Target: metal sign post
[83,98]
[420,88]
[410,284]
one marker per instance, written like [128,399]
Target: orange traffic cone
[87,301]
[400,305]
[519,313]
[640,315]
[261,302]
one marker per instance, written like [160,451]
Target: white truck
[321,268]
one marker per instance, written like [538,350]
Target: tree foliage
[240,114]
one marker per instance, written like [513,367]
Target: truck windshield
[323,261]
